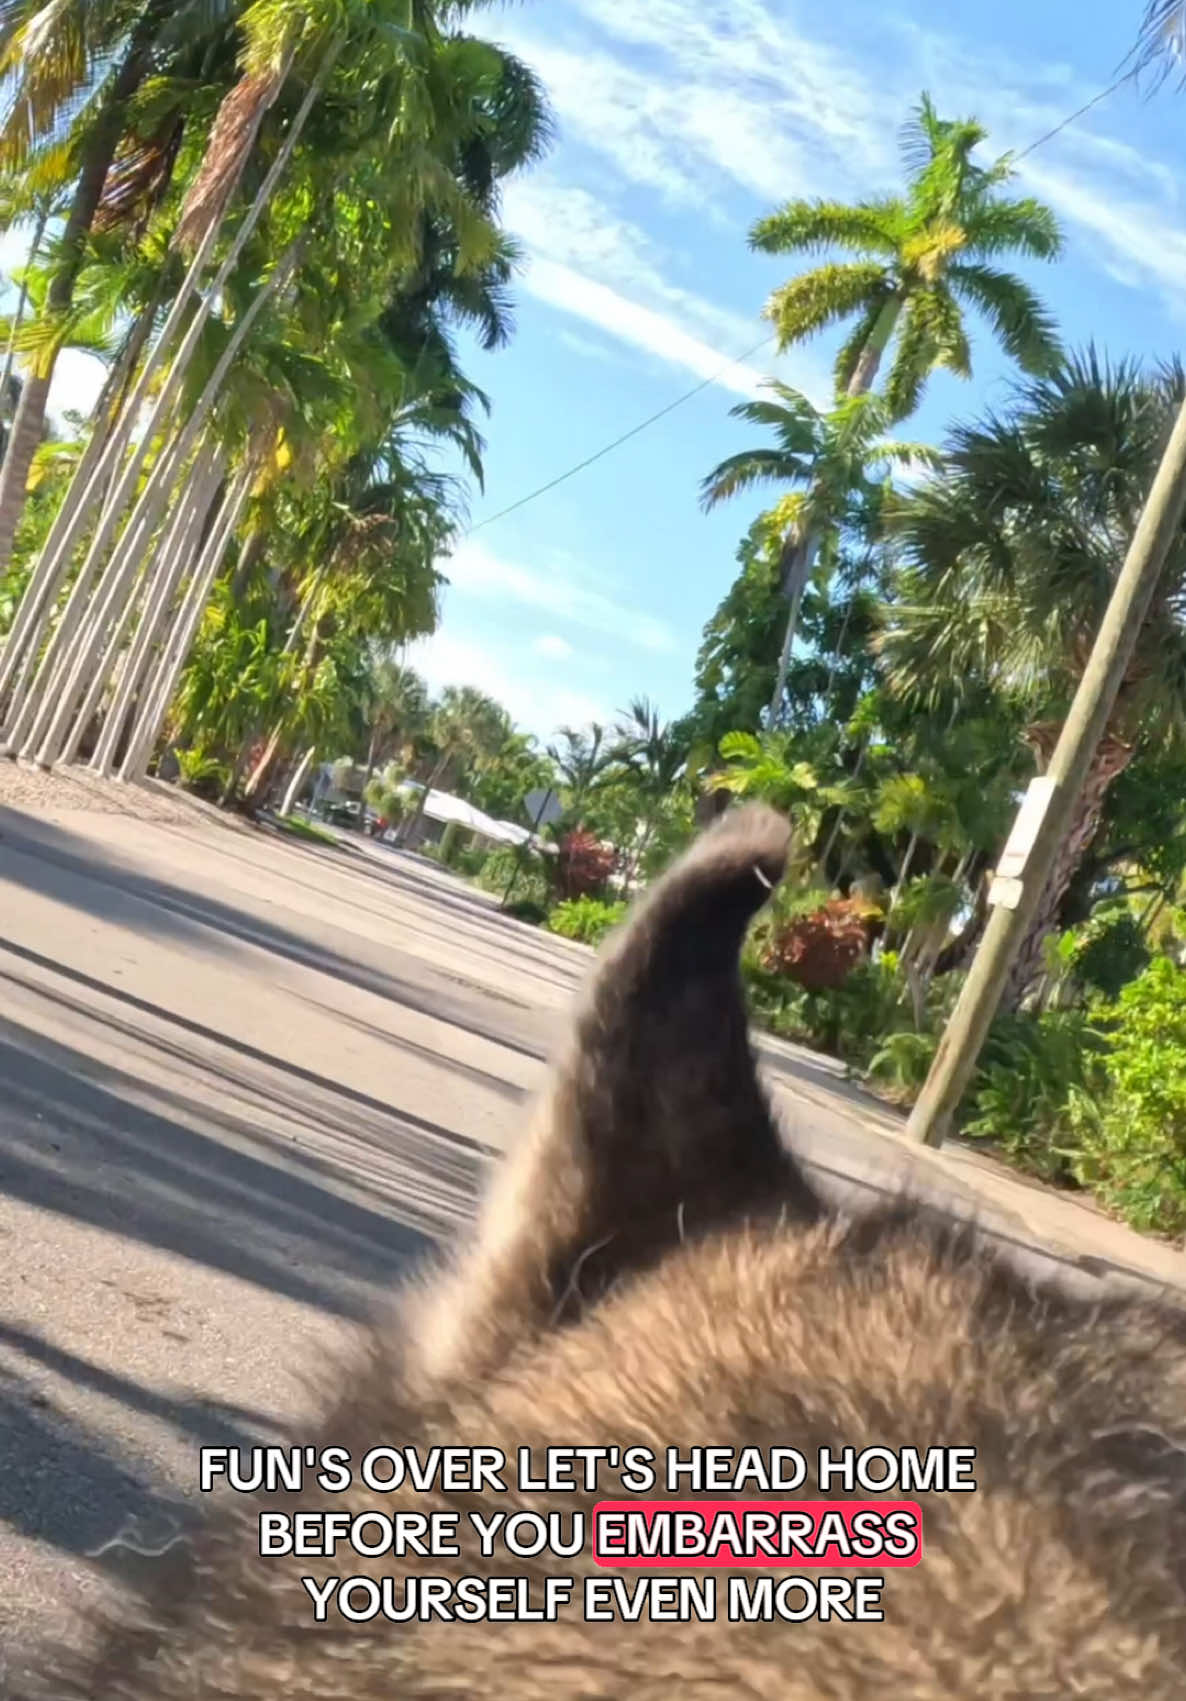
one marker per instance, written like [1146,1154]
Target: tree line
[271,220]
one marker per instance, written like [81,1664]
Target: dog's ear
[655,1128]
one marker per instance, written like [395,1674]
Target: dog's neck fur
[653,1268]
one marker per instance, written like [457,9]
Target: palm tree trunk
[407,827]
[796,565]
[37,604]
[147,729]
[837,653]
[21,304]
[903,872]
[171,389]
[839,821]
[263,768]
[100,483]
[180,543]
[372,751]
[253,547]
[145,517]
[1110,760]
[861,381]
[869,361]
[297,781]
[102,140]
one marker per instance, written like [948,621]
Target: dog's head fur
[653,1269]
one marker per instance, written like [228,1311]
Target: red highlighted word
[730,1533]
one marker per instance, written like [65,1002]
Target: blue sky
[680,121]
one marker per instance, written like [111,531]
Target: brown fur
[653,1269]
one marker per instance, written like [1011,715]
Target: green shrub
[524,910]
[587,920]
[902,1062]
[1132,1141]
[1111,951]
[200,773]
[471,859]
[848,1021]
[1035,1076]
[531,886]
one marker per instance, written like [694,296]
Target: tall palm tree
[1009,562]
[465,726]
[652,752]
[396,708]
[831,461]
[584,762]
[76,68]
[923,258]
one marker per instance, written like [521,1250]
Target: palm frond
[1024,328]
[819,298]
[750,468]
[1007,226]
[1161,42]
[807,227]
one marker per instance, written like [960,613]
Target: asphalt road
[242,1082]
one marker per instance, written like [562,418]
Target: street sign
[1025,829]
[1005,893]
[543,807]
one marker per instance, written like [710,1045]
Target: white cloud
[591,349]
[1139,247]
[586,261]
[479,574]
[553,646]
[724,91]
[573,292]
[537,704]
[703,100]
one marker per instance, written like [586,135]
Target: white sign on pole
[543,807]
[1025,829]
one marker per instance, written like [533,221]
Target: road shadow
[62,1482]
[74,1141]
[56,864]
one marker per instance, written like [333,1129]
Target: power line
[562,478]
[626,435]
[1078,113]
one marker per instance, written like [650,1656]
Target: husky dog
[653,1269]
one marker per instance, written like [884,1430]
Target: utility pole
[1045,813]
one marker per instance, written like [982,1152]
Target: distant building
[337,788]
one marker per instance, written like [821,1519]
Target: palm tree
[924,257]
[584,763]
[833,459]
[76,69]
[395,160]
[1009,563]
[1161,43]
[396,708]
[465,726]
[915,805]
[652,753]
